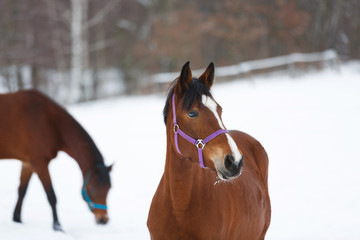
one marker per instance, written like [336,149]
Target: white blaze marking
[212,105]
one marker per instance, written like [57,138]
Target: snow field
[309,126]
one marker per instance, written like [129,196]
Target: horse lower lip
[222,175]
[229,176]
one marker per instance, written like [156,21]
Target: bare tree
[76,47]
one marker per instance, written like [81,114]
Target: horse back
[27,125]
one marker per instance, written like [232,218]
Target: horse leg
[26,173]
[45,179]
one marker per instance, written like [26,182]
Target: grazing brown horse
[214,184]
[33,129]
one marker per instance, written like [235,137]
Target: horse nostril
[229,162]
[102,221]
[233,167]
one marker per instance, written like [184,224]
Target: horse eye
[193,114]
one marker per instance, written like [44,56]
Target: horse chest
[204,218]
[211,214]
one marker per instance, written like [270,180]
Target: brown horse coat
[33,130]
[192,203]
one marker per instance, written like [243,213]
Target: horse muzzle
[231,168]
[101,219]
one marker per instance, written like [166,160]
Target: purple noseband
[199,143]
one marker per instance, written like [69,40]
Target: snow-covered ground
[309,125]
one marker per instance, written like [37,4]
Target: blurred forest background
[79,50]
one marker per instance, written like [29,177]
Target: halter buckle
[176,128]
[200,144]
[91,205]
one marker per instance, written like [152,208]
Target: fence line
[329,57]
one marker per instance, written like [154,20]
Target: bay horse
[33,129]
[214,184]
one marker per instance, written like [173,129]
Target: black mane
[194,92]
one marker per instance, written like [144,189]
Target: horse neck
[79,145]
[182,177]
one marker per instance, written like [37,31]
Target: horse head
[95,190]
[197,130]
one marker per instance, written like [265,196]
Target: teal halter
[86,197]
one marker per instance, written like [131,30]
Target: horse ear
[208,76]
[109,168]
[184,80]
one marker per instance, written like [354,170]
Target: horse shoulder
[256,161]
[255,152]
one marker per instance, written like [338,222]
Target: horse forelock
[195,91]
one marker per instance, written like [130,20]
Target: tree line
[78,50]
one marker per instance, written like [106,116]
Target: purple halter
[199,143]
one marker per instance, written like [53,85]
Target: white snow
[309,125]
